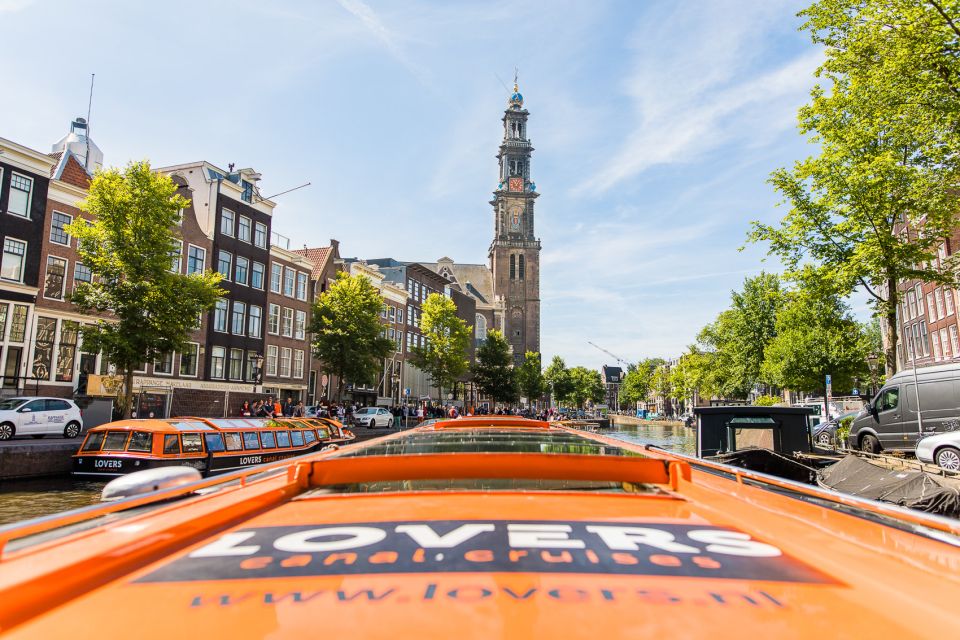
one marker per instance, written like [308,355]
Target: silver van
[890,420]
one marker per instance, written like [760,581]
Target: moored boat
[481,528]
[210,445]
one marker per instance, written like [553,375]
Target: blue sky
[655,123]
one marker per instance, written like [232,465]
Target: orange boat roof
[484,528]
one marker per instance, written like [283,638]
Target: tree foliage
[530,377]
[347,333]
[444,358]
[128,248]
[558,378]
[493,372]
[587,386]
[638,382]
[871,209]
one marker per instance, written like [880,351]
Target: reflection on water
[25,499]
[672,437]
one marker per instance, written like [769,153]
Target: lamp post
[257,371]
[872,360]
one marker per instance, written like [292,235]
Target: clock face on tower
[516,184]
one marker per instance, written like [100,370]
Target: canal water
[25,499]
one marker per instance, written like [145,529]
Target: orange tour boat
[486,527]
[210,445]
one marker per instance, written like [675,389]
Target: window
[297,438]
[236,364]
[274,320]
[301,286]
[243,265]
[276,277]
[948,301]
[18,324]
[214,442]
[58,234]
[268,440]
[480,327]
[43,351]
[939,298]
[410,314]
[298,363]
[14,256]
[912,304]
[55,278]
[188,360]
[889,399]
[399,316]
[220,316]
[513,267]
[238,317]
[164,365]
[287,328]
[255,321]
[300,325]
[243,229]
[936,345]
[954,340]
[227,219]
[18,202]
[67,350]
[176,256]
[283,438]
[256,276]
[171,444]
[196,259]
[260,235]
[522,269]
[271,360]
[946,344]
[252,366]
[81,273]
[217,357]
[192,443]
[224,263]
[931,309]
[233,441]
[288,279]
[250,440]
[285,353]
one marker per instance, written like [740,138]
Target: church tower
[515,250]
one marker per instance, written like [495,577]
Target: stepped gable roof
[474,279]
[318,256]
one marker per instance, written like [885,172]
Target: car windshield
[364,412]
[12,403]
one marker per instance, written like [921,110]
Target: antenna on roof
[86,160]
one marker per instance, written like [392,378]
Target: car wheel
[870,444]
[7,431]
[72,430]
[824,439]
[948,458]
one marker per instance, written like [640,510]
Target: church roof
[476,280]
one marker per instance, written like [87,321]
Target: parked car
[825,433]
[890,421]
[942,450]
[39,417]
[373,417]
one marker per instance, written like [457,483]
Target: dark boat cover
[770,462]
[914,489]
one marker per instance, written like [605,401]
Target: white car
[373,417]
[942,449]
[39,417]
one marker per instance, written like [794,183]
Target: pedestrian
[419,414]
[299,411]
[277,408]
[265,410]
[245,409]
[289,408]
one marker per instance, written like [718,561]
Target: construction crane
[612,355]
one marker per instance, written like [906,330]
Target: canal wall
[19,459]
[620,419]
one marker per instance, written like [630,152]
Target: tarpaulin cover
[766,461]
[914,489]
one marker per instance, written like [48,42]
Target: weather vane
[516,74]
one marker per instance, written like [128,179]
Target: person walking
[419,414]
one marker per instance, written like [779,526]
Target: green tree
[530,378]
[347,333]
[587,386]
[638,382]
[694,375]
[493,372]
[557,377]
[444,358]
[872,208]
[127,248]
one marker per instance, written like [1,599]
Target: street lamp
[257,371]
[872,360]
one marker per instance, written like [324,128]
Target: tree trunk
[128,392]
[890,326]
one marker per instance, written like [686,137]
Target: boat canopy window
[486,485]
[752,421]
[233,441]
[192,443]
[140,441]
[192,425]
[230,423]
[171,444]
[486,441]
[310,436]
[115,440]
[283,438]
[297,438]
[250,440]
[268,440]
[94,440]
[214,442]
